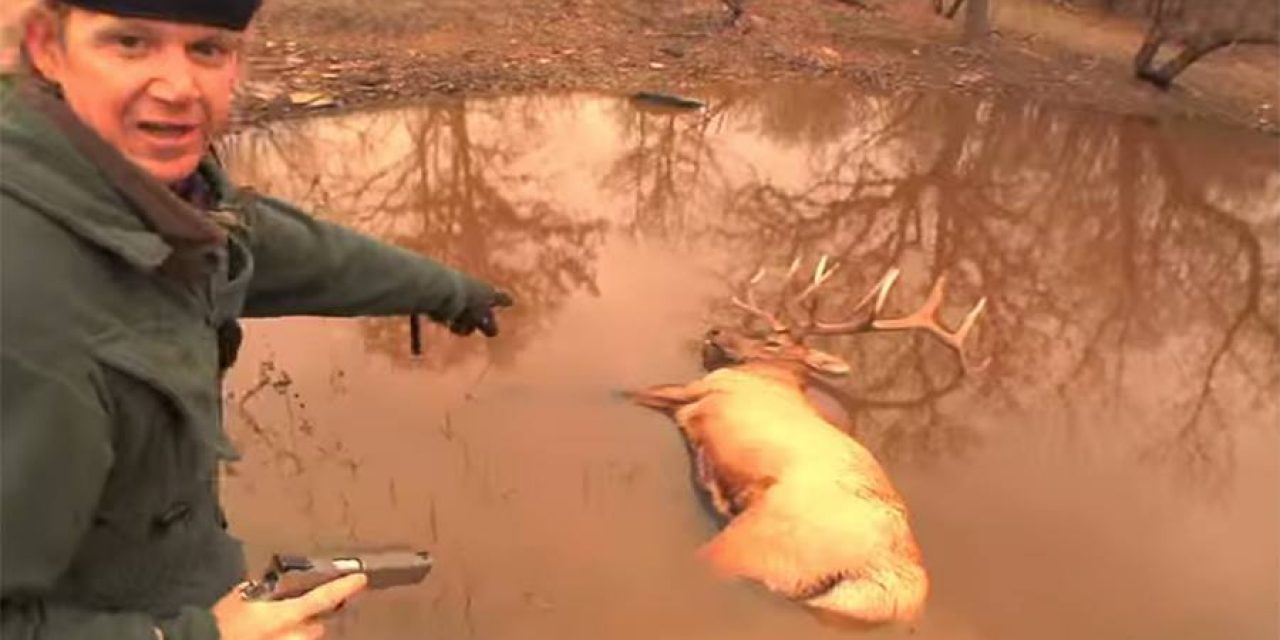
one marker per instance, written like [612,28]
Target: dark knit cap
[227,14]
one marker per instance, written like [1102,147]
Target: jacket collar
[67,172]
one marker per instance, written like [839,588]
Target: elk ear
[825,363]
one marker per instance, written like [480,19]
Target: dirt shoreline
[1065,57]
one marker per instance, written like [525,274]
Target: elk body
[811,514]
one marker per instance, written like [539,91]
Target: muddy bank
[335,55]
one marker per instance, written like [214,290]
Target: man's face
[157,91]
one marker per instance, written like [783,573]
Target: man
[125,260]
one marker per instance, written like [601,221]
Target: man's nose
[173,78]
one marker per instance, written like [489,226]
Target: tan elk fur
[814,516]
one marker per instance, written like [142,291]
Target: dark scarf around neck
[187,229]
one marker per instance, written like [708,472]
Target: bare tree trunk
[1192,51]
[1174,22]
[977,20]
[735,10]
[947,13]
[1142,61]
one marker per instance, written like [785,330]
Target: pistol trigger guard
[254,590]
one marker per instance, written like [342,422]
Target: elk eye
[772,343]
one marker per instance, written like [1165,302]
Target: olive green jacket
[110,425]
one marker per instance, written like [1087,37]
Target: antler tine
[750,306]
[820,275]
[791,271]
[880,292]
[963,332]
[926,317]
[787,278]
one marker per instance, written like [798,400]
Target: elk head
[783,343]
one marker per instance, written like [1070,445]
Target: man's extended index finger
[328,596]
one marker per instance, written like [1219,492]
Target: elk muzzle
[715,354]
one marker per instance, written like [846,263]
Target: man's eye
[208,48]
[210,51]
[129,42]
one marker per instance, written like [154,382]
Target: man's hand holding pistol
[297,592]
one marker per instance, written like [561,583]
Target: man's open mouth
[167,129]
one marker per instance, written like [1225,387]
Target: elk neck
[791,374]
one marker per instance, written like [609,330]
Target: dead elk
[811,514]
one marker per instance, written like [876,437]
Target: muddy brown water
[1112,474]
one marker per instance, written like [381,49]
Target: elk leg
[666,397]
[707,479]
[737,550]
[756,546]
[780,542]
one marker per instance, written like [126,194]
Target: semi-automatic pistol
[290,576]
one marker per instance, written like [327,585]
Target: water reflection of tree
[672,169]
[666,164]
[1126,267]
[422,180]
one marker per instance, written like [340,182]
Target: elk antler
[821,274]
[777,324]
[750,306]
[926,317]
